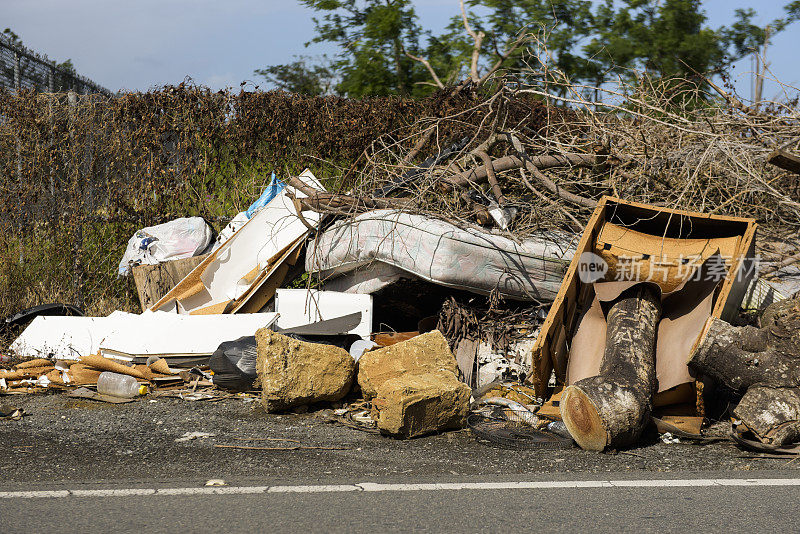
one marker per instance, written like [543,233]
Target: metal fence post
[75,211]
[17,83]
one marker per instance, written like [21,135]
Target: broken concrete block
[412,405]
[421,354]
[294,373]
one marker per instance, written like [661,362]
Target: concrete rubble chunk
[414,386]
[413,405]
[425,353]
[294,373]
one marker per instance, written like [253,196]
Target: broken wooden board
[247,265]
[785,160]
[155,281]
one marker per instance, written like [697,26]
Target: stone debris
[296,373]
[414,386]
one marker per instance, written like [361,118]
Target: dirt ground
[64,439]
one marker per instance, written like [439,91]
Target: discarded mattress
[441,253]
[242,274]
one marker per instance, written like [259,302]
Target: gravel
[65,440]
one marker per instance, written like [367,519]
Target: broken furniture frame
[551,350]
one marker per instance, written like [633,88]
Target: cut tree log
[612,409]
[740,357]
[772,414]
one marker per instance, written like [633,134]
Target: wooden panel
[155,281]
[541,357]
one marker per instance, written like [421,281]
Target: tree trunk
[740,357]
[772,414]
[611,410]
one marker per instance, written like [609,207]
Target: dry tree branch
[476,50]
[437,82]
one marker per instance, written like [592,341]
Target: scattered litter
[12,413]
[514,434]
[667,437]
[189,436]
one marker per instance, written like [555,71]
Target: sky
[135,45]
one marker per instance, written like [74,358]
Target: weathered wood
[155,281]
[741,357]
[785,160]
[612,409]
[772,414]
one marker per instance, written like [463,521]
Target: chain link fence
[22,68]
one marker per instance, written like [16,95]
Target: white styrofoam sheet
[165,334]
[297,307]
[67,338]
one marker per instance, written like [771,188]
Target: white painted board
[297,307]
[271,230]
[67,338]
[169,334]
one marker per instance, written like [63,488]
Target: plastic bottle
[118,385]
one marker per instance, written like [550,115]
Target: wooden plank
[785,160]
[541,356]
[155,281]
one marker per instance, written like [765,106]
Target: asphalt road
[82,449]
[595,505]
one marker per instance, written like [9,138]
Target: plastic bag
[275,186]
[174,240]
[234,364]
[273,189]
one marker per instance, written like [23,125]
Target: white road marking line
[376,487]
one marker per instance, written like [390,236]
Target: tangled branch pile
[680,143]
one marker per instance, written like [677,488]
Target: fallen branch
[294,448]
[507,163]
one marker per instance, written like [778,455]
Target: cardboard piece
[249,260]
[104,364]
[684,313]
[650,235]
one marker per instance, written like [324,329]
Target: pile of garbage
[433,296]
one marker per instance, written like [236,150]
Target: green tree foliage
[591,42]
[667,38]
[374,36]
[300,76]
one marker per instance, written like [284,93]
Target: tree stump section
[772,414]
[612,409]
[741,357]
